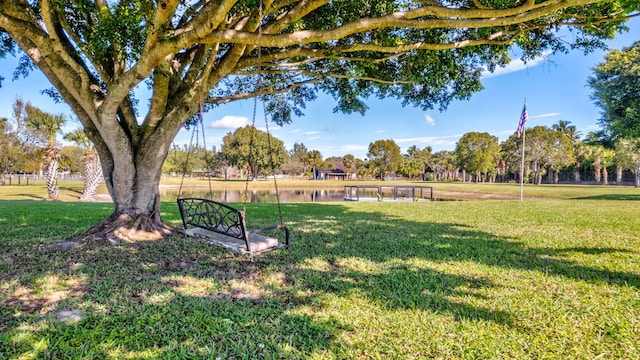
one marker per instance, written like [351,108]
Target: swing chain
[258,94]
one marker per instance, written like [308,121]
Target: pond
[269,196]
[263,196]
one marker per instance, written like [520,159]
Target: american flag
[523,119]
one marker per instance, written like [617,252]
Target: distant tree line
[29,146]
[478,156]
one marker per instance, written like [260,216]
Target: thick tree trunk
[132,180]
[136,214]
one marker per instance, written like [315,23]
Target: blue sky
[554,86]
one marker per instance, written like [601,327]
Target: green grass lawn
[547,278]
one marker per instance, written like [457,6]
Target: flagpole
[524,135]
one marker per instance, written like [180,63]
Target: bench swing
[220,224]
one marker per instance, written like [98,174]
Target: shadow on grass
[379,237]
[35,197]
[622,197]
[164,298]
[72,190]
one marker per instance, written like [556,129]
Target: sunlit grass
[452,280]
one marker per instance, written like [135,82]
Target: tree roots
[120,228]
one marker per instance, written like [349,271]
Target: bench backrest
[213,216]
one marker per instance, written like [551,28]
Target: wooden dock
[388,193]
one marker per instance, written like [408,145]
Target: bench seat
[257,243]
[222,225]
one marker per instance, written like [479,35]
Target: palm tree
[596,153]
[582,153]
[570,131]
[92,173]
[348,161]
[628,157]
[314,161]
[46,126]
[606,160]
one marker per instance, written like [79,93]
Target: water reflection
[265,196]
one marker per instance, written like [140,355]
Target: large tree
[477,153]
[297,159]
[616,86]
[256,150]
[385,155]
[96,54]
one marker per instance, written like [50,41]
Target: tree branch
[263,91]
[445,18]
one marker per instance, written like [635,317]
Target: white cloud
[545,115]
[272,129]
[380,131]
[516,65]
[230,122]
[353,147]
[506,132]
[328,129]
[430,140]
[430,120]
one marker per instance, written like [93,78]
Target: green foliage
[477,152]
[189,158]
[415,162]
[79,137]
[570,131]
[616,85]
[628,153]
[349,161]
[70,158]
[9,143]
[255,149]
[545,149]
[109,30]
[46,126]
[385,155]
[314,158]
